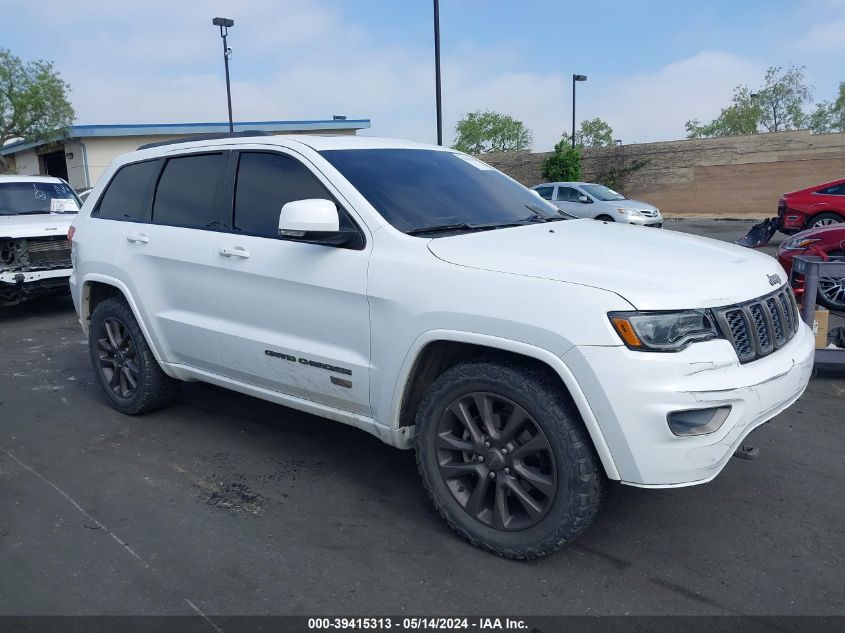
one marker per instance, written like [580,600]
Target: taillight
[70,233]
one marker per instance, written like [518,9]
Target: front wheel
[831,292]
[605,218]
[506,459]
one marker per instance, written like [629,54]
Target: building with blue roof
[81,155]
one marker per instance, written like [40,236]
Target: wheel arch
[95,289]
[436,351]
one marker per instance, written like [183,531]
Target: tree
[33,100]
[485,131]
[594,133]
[782,99]
[741,117]
[830,117]
[776,106]
[564,164]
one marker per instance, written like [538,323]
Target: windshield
[23,198]
[419,189]
[600,192]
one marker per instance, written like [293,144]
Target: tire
[566,468]
[605,218]
[824,219]
[121,356]
[831,292]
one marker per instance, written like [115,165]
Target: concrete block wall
[739,176]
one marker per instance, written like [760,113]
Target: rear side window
[835,190]
[128,193]
[545,192]
[567,194]
[187,191]
[266,182]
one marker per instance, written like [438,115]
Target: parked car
[35,214]
[591,200]
[825,241]
[820,205]
[419,294]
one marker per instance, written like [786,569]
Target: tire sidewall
[119,311]
[550,414]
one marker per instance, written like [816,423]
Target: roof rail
[207,137]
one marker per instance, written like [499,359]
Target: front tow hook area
[747,452]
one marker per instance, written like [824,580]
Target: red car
[820,205]
[825,241]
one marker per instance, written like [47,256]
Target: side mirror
[314,221]
[584,199]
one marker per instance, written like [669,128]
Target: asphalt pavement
[223,504]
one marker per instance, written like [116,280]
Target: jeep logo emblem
[774,279]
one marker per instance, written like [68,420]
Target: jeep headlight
[664,331]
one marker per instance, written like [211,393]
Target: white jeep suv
[420,295]
[35,214]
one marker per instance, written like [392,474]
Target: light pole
[224,24]
[574,79]
[437,71]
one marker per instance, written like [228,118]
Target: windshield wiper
[443,228]
[33,212]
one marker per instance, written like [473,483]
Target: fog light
[697,421]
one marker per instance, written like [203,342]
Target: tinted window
[129,192]
[266,182]
[545,192]
[415,189]
[187,191]
[835,190]
[567,194]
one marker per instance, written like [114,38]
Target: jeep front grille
[49,252]
[758,327]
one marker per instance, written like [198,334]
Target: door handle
[235,251]
[137,237]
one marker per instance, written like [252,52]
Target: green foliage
[33,99]
[564,164]
[594,133]
[741,117]
[830,116]
[782,98]
[776,106]
[485,131]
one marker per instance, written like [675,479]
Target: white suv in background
[419,294]
[591,200]
[35,214]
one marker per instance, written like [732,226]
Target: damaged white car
[35,215]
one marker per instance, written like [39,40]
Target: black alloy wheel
[118,356]
[496,461]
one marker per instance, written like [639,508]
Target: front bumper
[631,393]
[656,222]
[17,286]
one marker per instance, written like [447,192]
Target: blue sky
[652,64]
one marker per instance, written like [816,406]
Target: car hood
[651,268]
[35,225]
[628,203]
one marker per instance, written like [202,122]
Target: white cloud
[303,60]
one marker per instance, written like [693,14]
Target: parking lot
[224,504]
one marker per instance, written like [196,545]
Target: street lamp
[574,79]
[437,71]
[224,24]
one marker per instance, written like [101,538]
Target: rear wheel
[824,219]
[505,458]
[130,376]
